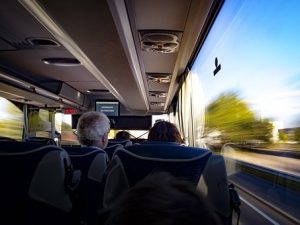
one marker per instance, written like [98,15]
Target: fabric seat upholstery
[33,184]
[125,143]
[92,162]
[132,164]
[112,149]
[199,166]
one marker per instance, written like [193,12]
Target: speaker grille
[159,42]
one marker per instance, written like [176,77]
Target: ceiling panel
[161,15]
[159,63]
[30,62]
[91,26]
[154,99]
[16,23]
[153,86]
[84,86]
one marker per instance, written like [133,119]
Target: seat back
[41,140]
[214,185]
[92,163]
[199,166]
[34,184]
[130,165]
[3,138]
[112,149]
[125,143]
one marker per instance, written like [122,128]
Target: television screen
[110,108]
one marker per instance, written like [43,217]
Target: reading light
[160,104]
[61,61]
[158,94]
[159,77]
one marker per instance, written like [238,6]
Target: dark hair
[122,135]
[164,131]
[161,199]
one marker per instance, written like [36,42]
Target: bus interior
[225,72]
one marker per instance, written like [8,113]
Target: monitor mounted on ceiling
[108,107]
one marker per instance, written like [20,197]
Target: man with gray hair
[92,129]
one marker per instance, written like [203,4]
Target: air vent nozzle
[158,94]
[159,78]
[159,42]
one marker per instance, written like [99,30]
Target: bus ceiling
[70,53]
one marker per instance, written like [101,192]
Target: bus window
[156,118]
[242,98]
[63,124]
[254,98]
[11,120]
[139,135]
[39,123]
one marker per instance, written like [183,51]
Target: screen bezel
[105,101]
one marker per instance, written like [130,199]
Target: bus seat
[166,150]
[112,149]
[130,165]
[199,166]
[34,185]
[93,163]
[125,143]
[19,146]
[41,140]
[2,138]
[213,184]
[161,143]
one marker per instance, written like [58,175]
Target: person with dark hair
[165,131]
[161,199]
[122,135]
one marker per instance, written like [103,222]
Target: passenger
[92,129]
[165,131]
[122,135]
[161,199]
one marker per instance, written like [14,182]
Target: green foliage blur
[11,120]
[66,127]
[237,123]
[297,135]
[282,136]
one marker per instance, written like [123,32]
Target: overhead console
[64,90]
[51,94]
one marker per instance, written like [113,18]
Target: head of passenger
[92,129]
[122,135]
[161,199]
[164,131]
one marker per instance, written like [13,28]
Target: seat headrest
[166,151]
[117,141]
[83,151]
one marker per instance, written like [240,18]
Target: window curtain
[190,112]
